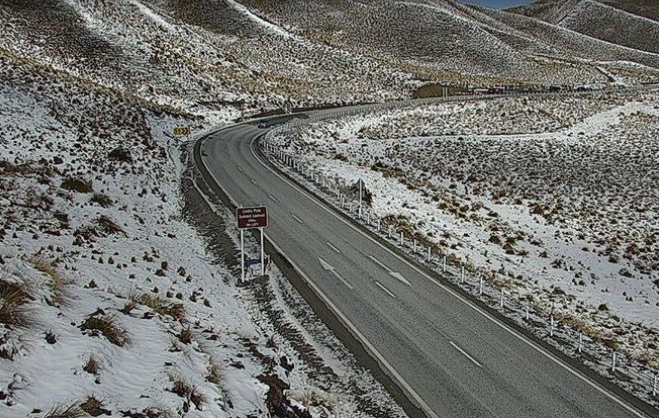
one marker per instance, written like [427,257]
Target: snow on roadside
[566,212]
[110,300]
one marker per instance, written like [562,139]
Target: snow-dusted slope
[453,41]
[600,21]
[111,303]
[554,197]
[197,59]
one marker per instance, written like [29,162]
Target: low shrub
[77,185]
[107,327]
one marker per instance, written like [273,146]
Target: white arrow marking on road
[273,198]
[331,268]
[465,354]
[334,248]
[396,275]
[378,284]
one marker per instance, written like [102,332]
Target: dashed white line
[334,248]
[273,198]
[240,169]
[378,284]
[395,275]
[253,181]
[379,263]
[465,354]
[297,219]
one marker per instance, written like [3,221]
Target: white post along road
[449,356]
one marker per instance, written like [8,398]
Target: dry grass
[215,375]
[129,307]
[77,185]
[108,328]
[93,407]
[91,366]
[161,306]
[13,309]
[109,226]
[187,391]
[101,199]
[312,398]
[185,336]
[63,411]
[180,386]
[57,282]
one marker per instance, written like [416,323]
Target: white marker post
[262,255]
[361,183]
[242,255]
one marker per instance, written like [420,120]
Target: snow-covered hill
[598,20]
[554,197]
[112,302]
[113,298]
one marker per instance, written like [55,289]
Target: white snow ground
[556,198]
[97,262]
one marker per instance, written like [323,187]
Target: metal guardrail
[544,321]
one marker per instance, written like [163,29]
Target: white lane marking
[297,219]
[253,181]
[378,284]
[396,275]
[273,198]
[334,248]
[467,302]
[465,354]
[240,169]
[332,269]
[442,333]
[378,262]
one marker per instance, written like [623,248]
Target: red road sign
[252,217]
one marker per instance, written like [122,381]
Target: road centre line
[253,181]
[297,219]
[272,198]
[334,248]
[379,263]
[378,284]
[395,274]
[465,354]
[575,372]
[240,169]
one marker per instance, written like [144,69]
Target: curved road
[452,358]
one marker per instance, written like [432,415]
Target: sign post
[251,218]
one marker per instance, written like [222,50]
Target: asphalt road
[455,359]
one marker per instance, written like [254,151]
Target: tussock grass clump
[101,199]
[187,391]
[315,399]
[91,366]
[63,411]
[13,310]
[215,373]
[185,336]
[128,307]
[77,185]
[94,407]
[109,226]
[57,282]
[107,327]
[162,306]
